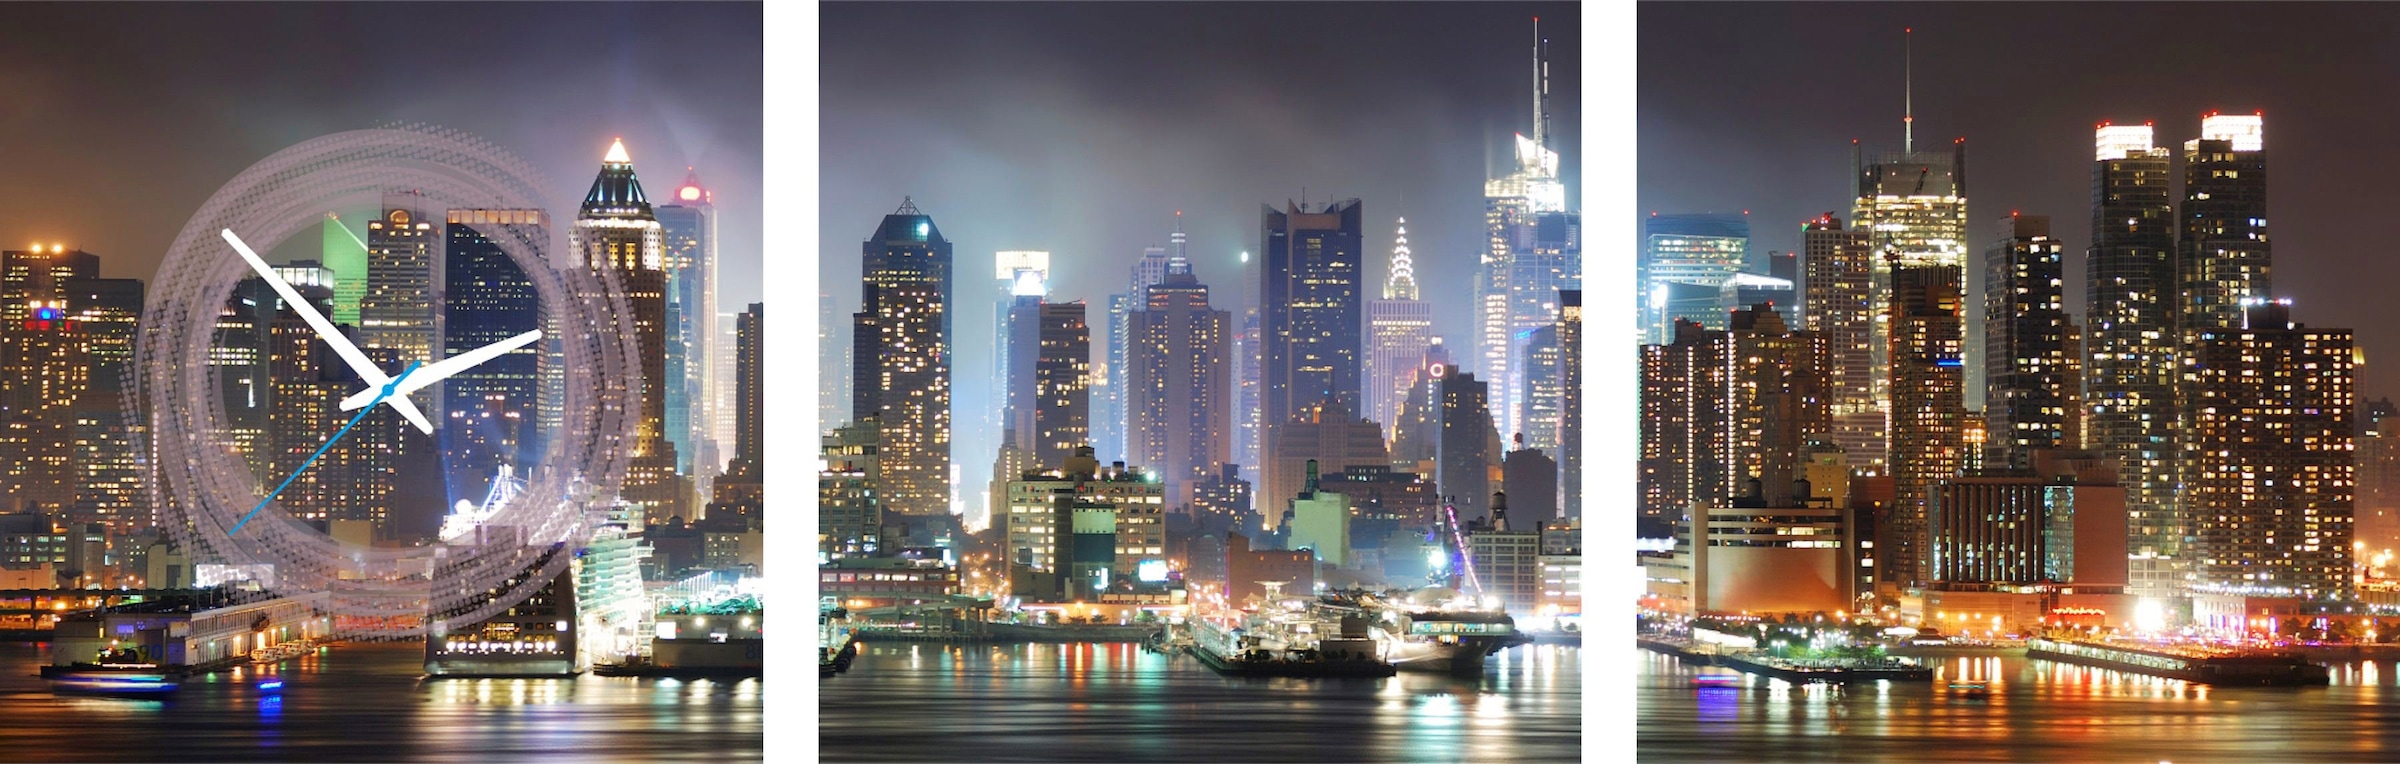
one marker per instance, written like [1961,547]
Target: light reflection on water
[367,703]
[1116,703]
[2036,711]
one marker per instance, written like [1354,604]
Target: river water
[2037,711]
[365,702]
[1116,703]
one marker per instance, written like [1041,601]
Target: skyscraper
[2025,342]
[833,369]
[1838,300]
[1179,381]
[1399,327]
[1512,205]
[1570,408]
[1698,249]
[901,371]
[1110,427]
[1024,280]
[1310,309]
[2130,344]
[489,412]
[617,229]
[749,400]
[1722,407]
[688,228]
[1928,381]
[346,255]
[2226,257]
[2271,499]
[1551,261]
[1912,206]
[1062,380]
[1469,446]
[1328,434]
[397,310]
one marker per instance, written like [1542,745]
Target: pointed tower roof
[616,192]
[1402,283]
[908,224]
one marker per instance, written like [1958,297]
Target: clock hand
[312,458]
[446,367]
[325,330]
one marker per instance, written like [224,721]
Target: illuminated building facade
[1551,261]
[1718,407]
[901,374]
[1309,309]
[1062,379]
[2226,258]
[2023,529]
[688,231]
[849,512]
[396,311]
[1838,300]
[2026,367]
[1112,393]
[490,412]
[1039,501]
[617,229]
[1178,383]
[1024,280]
[1399,327]
[1520,273]
[1928,382]
[1912,206]
[2272,492]
[1701,250]
[2129,381]
[1570,407]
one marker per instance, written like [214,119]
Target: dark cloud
[118,120]
[1747,106]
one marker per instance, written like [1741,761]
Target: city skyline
[1085,151]
[187,66]
[2028,127]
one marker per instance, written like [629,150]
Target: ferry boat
[2203,665]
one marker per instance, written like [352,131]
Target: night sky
[1753,107]
[1080,129]
[118,121]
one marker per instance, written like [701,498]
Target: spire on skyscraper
[1402,283]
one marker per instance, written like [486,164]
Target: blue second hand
[388,389]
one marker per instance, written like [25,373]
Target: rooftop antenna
[1541,87]
[1908,81]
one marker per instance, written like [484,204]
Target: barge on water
[1797,671]
[1237,652]
[2257,668]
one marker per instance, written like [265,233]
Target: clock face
[207,485]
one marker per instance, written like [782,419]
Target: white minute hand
[426,375]
[366,369]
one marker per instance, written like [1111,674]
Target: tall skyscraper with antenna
[1399,328]
[1509,298]
[1912,207]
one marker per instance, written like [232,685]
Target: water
[365,703]
[2038,711]
[1117,703]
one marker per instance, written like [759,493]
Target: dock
[1797,671]
[2255,668]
